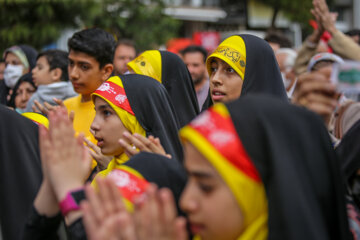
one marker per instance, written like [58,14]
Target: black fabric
[20,171]
[40,227]
[24,78]
[349,151]
[262,73]
[291,149]
[153,109]
[177,81]
[4,91]
[160,170]
[31,55]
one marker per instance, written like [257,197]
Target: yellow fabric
[37,117]
[249,194]
[232,51]
[148,63]
[130,123]
[84,116]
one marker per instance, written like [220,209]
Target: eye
[205,188]
[230,70]
[106,113]
[71,63]
[84,67]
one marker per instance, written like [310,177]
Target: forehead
[100,102]
[195,161]
[83,57]
[42,60]
[11,57]
[193,56]
[25,85]
[125,49]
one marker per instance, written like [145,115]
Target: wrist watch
[72,200]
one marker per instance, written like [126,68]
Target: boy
[50,75]
[90,57]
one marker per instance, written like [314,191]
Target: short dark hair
[279,38]
[94,42]
[57,59]
[126,42]
[193,49]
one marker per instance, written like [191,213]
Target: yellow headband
[37,118]
[148,63]
[215,137]
[232,51]
[123,108]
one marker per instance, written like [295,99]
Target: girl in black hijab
[269,154]
[170,70]
[240,65]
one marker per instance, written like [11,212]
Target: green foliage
[295,10]
[40,22]
[141,21]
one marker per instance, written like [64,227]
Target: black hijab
[153,109]
[291,149]
[262,73]
[20,168]
[177,81]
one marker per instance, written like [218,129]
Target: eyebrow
[200,174]
[103,106]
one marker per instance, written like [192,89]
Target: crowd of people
[250,141]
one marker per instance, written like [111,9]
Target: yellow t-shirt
[84,116]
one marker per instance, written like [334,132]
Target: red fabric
[221,133]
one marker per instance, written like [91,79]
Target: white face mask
[12,73]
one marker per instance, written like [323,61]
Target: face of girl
[212,209]
[225,82]
[23,94]
[107,128]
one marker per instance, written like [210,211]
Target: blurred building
[349,16]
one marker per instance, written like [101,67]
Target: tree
[295,10]
[40,22]
[140,20]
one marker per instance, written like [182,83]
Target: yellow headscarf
[112,91]
[37,118]
[214,135]
[148,63]
[232,51]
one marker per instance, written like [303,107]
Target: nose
[215,78]
[94,126]
[73,73]
[187,202]
[25,96]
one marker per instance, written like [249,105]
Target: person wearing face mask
[19,59]
[286,59]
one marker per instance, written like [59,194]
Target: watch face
[78,195]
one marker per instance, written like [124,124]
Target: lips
[217,95]
[196,228]
[100,142]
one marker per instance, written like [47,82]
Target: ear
[56,75]
[107,70]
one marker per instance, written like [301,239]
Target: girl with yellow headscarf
[240,65]
[253,175]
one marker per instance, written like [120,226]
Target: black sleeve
[40,227]
[76,230]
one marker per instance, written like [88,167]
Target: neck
[85,97]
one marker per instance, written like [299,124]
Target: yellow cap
[232,51]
